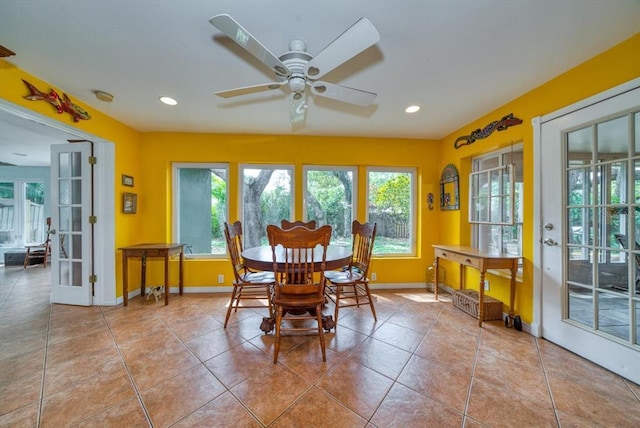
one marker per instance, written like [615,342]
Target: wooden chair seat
[350,287]
[249,288]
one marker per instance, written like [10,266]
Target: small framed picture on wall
[129,203]
[127,180]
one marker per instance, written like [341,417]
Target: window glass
[496,201]
[200,208]
[7,213]
[390,204]
[329,194]
[267,198]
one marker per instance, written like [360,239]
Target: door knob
[550,242]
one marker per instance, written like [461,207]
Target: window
[329,195]
[496,201]
[266,195]
[200,207]
[22,219]
[391,205]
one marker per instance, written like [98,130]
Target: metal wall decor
[62,105]
[449,188]
[478,134]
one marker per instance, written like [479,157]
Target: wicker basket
[467,301]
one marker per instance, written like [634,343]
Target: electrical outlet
[374,277]
[486,285]
[221,279]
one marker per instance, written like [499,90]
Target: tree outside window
[267,198]
[329,199]
[390,205]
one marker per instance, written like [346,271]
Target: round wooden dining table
[261,258]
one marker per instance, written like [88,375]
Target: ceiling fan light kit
[298,69]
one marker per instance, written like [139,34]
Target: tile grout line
[126,368]
[44,362]
[465,411]
[546,380]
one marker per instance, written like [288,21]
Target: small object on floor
[156,291]
[515,322]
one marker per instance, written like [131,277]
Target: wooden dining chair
[350,287]
[297,296]
[247,285]
[39,252]
[286,224]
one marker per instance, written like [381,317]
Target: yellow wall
[611,68]
[148,158]
[163,148]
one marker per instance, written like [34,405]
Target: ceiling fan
[298,69]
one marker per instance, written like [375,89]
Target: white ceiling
[457,59]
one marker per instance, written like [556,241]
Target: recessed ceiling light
[412,109]
[168,101]
[104,96]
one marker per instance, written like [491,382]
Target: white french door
[71,204]
[589,174]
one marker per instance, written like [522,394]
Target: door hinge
[93,160]
[93,279]
[93,219]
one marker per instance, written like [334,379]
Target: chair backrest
[233,236]
[286,224]
[624,243]
[364,236]
[297,254]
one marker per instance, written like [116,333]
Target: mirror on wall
[449,188]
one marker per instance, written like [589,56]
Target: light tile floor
[424,363]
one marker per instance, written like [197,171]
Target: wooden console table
[481,260]
[150,250]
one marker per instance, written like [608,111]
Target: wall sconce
[430,200]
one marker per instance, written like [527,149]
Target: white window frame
[175,224]
[513,221]
[412,211]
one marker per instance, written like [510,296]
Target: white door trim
[105,287]
[537,122]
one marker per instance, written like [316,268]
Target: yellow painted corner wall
[613,67]
[159,150]
[125,139]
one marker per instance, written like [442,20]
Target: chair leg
[233,298]
[321,332]
[337,309]
[276,347]
[373,309]
[26,258]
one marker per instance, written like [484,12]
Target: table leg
[436,280]
[512,292]
[181,277]
[481,299]
[143,274]
[166,278]
[125,279]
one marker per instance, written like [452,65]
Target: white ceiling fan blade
[354,40]
[250,89]
[343,93]
[238,34]
[297,106]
